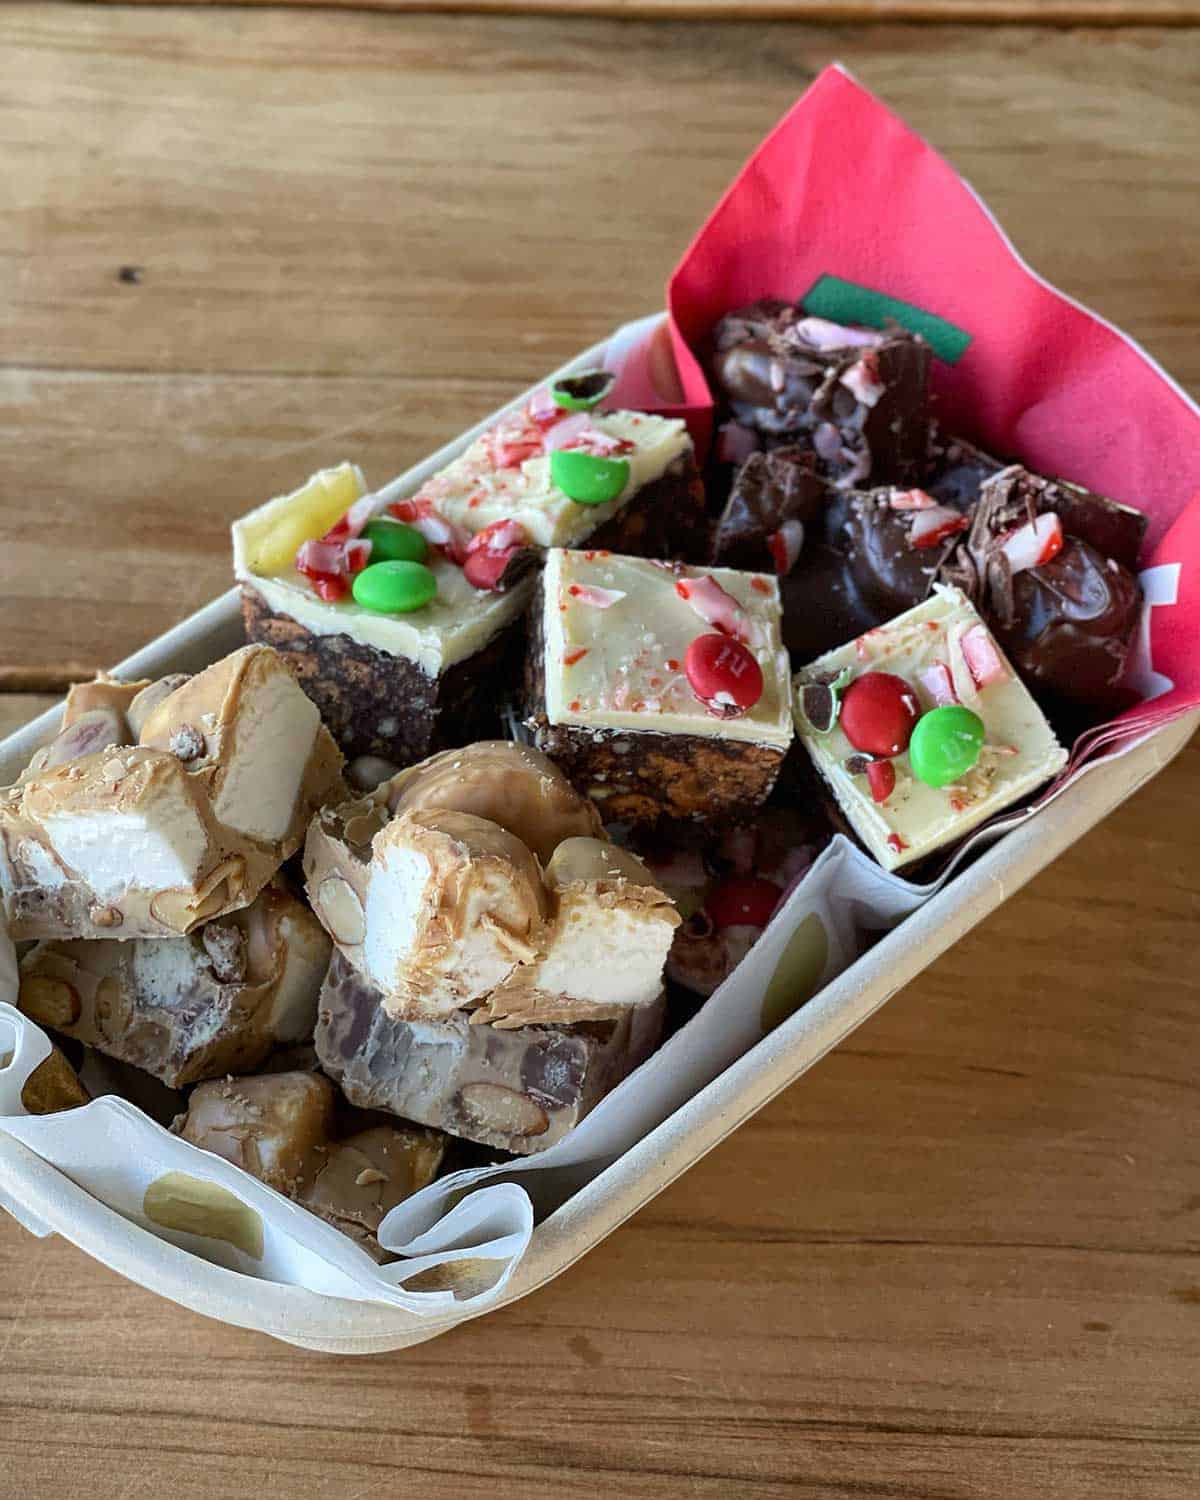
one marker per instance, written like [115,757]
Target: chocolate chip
[856,765]
[130,275]
[819,705]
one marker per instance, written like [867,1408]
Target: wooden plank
[958,1259]
[16,709]
[985,12]
[327,270]
[170,460]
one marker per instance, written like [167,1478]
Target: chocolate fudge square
[661,690]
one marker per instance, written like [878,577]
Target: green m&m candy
[945,744]
[582,392]
[586,479]
[394,588]
[395,541]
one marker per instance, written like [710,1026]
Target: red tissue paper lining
[843,187]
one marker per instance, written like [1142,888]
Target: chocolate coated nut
[50,1002]
[502,1110]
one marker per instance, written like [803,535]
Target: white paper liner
[473,1227]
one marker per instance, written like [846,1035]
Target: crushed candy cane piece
[862,380]
[821,333]
[911,500]
[1033,544]
[715,605]
[938,683]
[784,546]
[598,598]
[983,660]
[932,526]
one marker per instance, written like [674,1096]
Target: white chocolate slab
[621,667]
[1020,750]
[472,492]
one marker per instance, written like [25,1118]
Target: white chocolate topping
[458,622]
[475,490]
[616,634]
[1020,751]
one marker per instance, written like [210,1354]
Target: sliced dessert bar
[187,1008]
[520,1090]
[661,690]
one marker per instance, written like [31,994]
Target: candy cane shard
[181,823]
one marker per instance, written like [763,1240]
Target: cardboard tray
[47,1201]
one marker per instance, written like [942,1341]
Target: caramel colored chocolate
[153,838]
[186,1008]
[479,881]
[518,1090]
[283,1128]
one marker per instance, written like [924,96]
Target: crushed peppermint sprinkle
[896,843]
[761,585]
[598,598]
[573,656]
[574,705]
[672,664]
[715,605]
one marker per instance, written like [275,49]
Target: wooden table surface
[961,1257]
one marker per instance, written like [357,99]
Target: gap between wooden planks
[983,12]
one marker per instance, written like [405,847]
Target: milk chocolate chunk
[855,396]
[1049,565]
[957,470]
[285,1129]
[518,1090]
[186,1008]
[135,838]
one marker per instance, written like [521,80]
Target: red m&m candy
[724,674]
[878,713]
[744,902]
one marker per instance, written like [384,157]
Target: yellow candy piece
[309,514]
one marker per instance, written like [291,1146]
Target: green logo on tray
[846,302]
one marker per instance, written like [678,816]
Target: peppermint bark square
[922,730]
[660,689]
[393,682]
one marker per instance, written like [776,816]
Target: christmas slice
[387,633]
[922,729]
[662,690]
[559,472]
